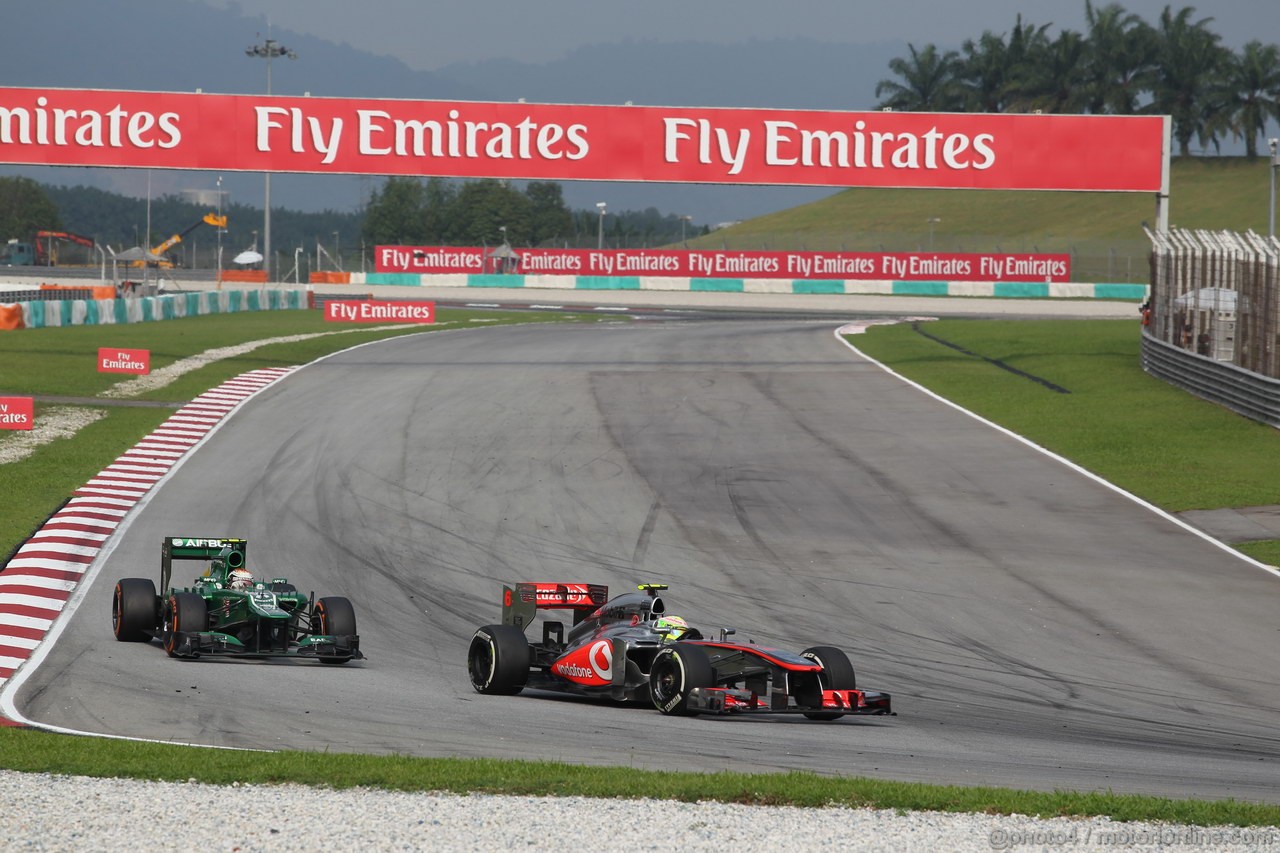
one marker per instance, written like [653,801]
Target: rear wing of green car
[198,548]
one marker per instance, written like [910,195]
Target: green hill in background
[1102,231]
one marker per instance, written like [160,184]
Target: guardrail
[1242,391]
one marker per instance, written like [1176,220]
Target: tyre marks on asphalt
[40,579]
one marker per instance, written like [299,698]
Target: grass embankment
[1117,421]
[1217,193]
[1143,434]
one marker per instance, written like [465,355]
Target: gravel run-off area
[43,812]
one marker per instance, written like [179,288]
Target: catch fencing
[1212,321]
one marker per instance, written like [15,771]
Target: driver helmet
[240,578]
[671,628]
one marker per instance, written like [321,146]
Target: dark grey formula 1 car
[629,648]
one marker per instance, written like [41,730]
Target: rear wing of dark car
[521,604]
[198,548]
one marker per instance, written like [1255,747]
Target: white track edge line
[1272,570]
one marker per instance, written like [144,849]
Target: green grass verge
[1115,413]
[35,751]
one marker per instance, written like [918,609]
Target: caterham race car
[227,612]
[632,649]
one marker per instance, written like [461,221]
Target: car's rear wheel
[185,613]
[837,674]
[498,660]
[134,610]
[677,670]
[336,617]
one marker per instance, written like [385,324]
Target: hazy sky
[428,35]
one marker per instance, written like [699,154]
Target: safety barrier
[1242,391]
[95,312]
[1008,289]
[245,276]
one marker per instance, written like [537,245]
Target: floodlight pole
[269,49]
[600,232]
[1271,209]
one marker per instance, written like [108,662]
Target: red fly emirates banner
[73,127]
[873,266]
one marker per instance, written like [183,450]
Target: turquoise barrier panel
[148,308]
[718,285]
[402,278]
[1120,291]
[212,304]
[800,285]
[167,309]
[235,301]
[606,282]
[255,301]
[121,310]
[193,304]
[920,288]
[481,280]
[38,307]
[91,316]
[1023,289]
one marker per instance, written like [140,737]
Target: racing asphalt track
[1035,628]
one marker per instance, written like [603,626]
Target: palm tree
[1188,82]
[1054,79]
[927,82]
[1121,60]
[1252,91]
[996,76]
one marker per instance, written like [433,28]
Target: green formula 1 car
[227,612]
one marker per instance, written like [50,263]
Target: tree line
[440,212]
[1120,65]
[404,211]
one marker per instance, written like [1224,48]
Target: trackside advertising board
[111,360]
[378,311]
[869,266]
[17,413]
[260,133]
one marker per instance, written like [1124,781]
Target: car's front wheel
[185,613]
[837,674]
[334,616]
[677,670]
[498,660]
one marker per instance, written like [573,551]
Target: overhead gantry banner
[169,130]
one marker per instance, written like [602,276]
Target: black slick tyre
[133,610]
[677,670]
[498,660]
[185,613]
[334,616]
[837,674]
